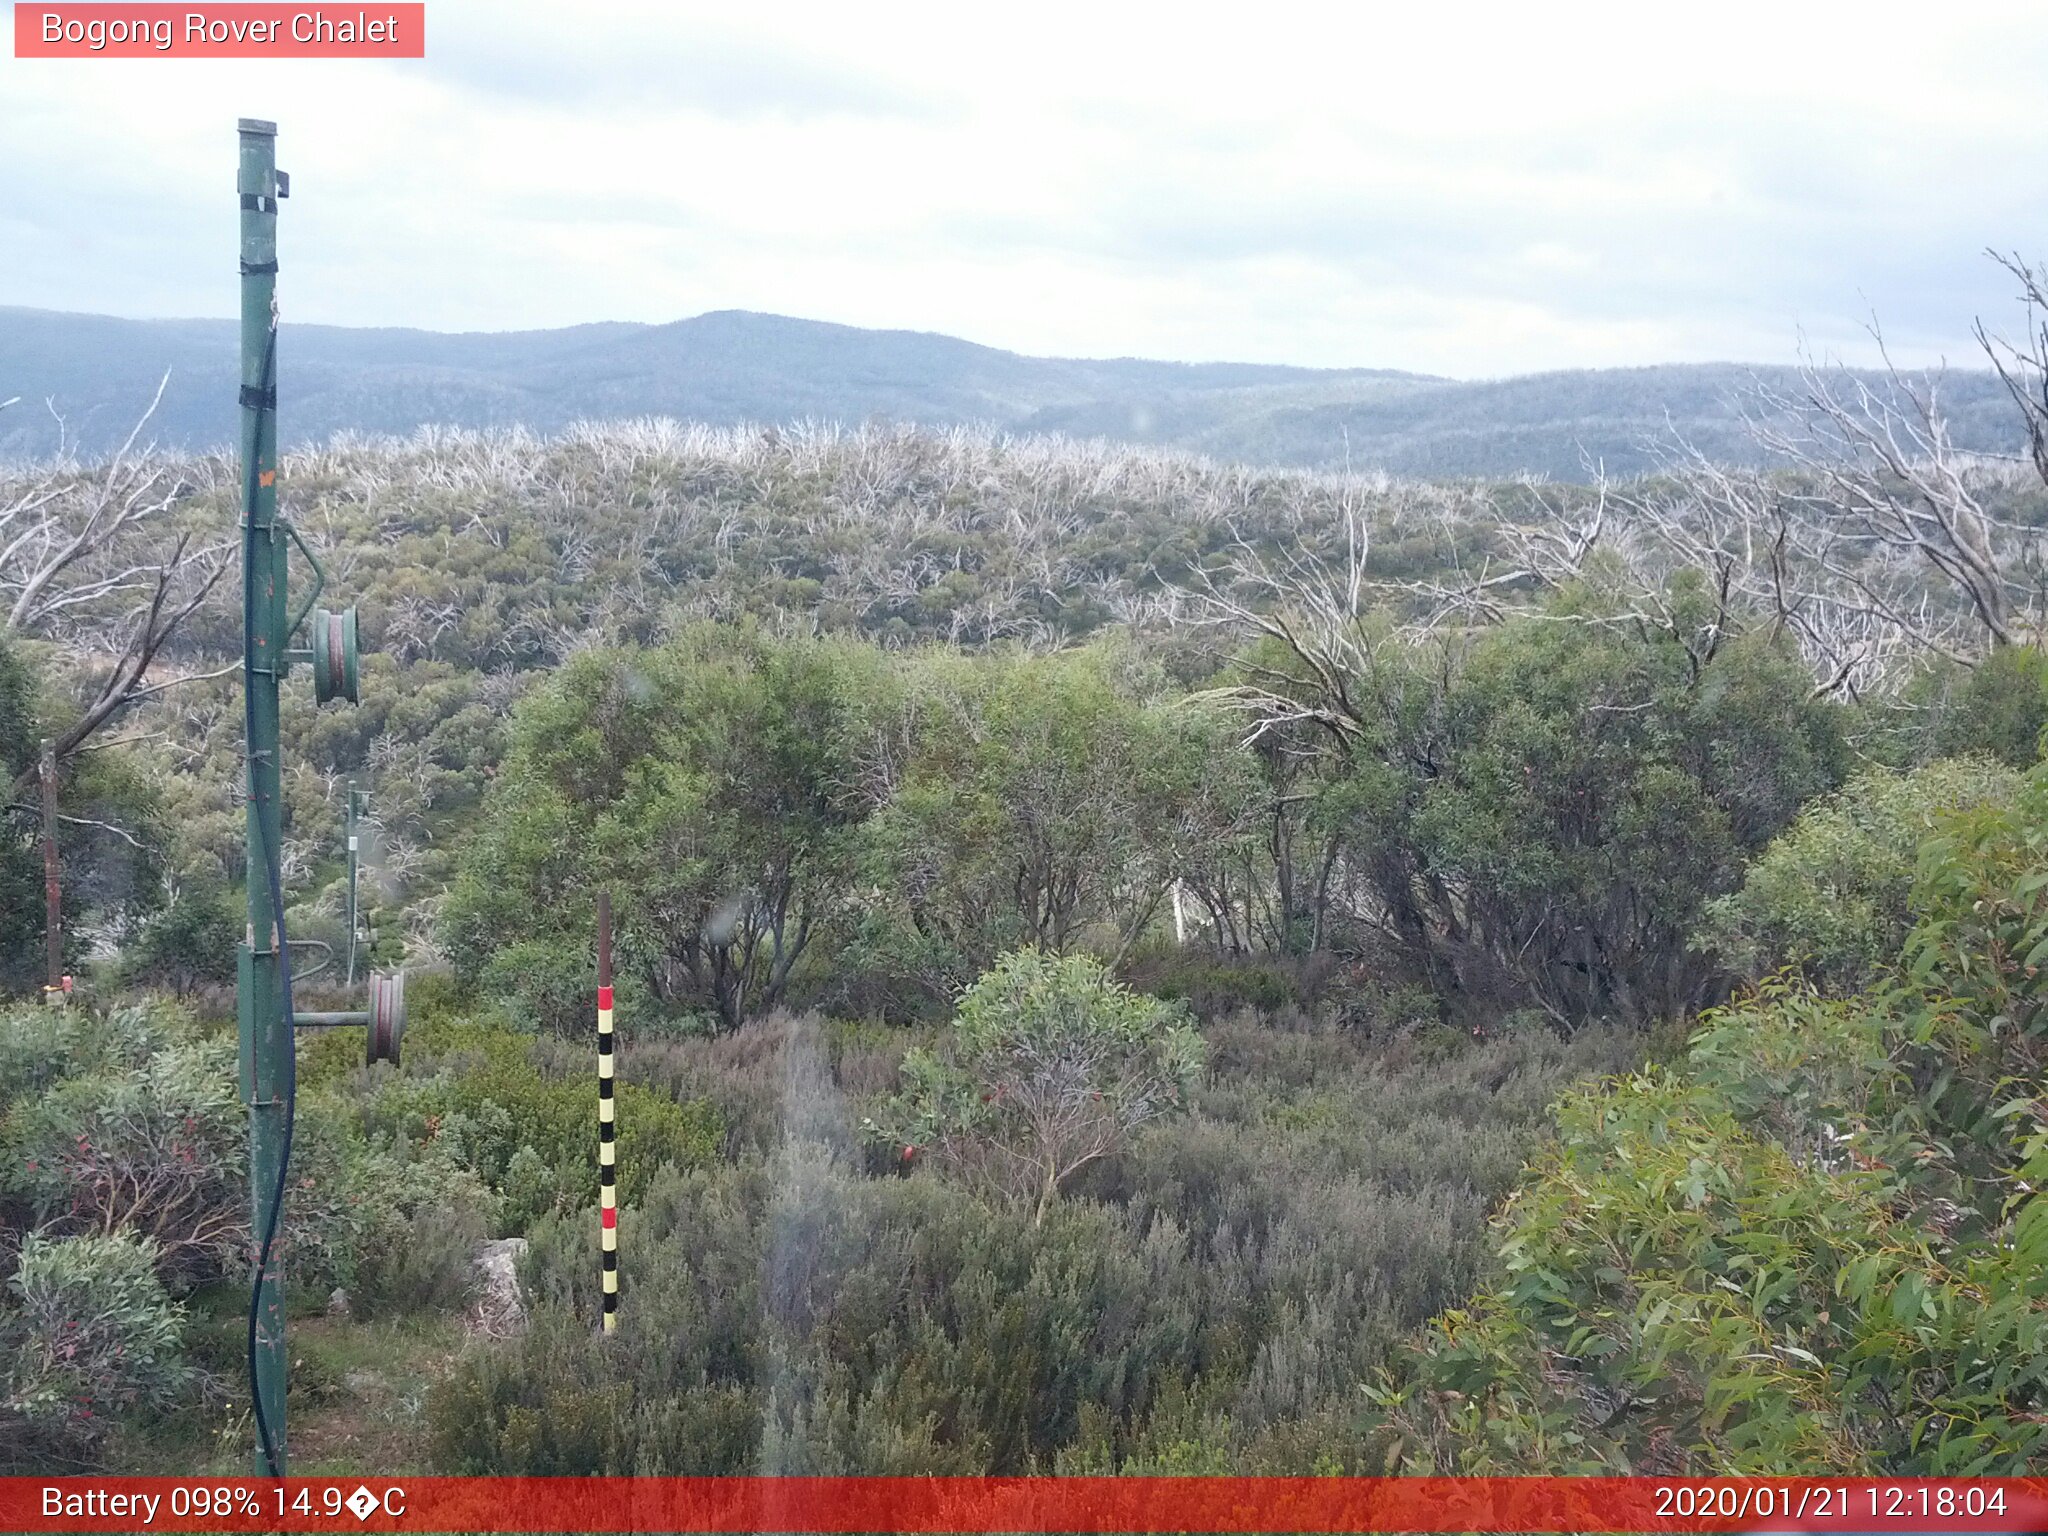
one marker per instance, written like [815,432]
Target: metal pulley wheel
[335,655]
[387,1017]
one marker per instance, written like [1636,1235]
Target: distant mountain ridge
[734,365]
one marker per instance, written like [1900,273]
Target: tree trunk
[53,899]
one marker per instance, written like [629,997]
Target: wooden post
[607,1110]
[53,894]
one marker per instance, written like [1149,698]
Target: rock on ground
[500,1309]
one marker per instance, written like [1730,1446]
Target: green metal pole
[353,794]
[265,1040]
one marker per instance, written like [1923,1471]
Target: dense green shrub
[1830,895]
[88,1337]
[42,1046]
[785,819]
[1215,985]
[763,1080]
[155,1145]
[419,1256]
[1041,801]
[1599,786]
[395,1224]
[1534,815]
[1999,707]
[1818,1246]
[132,1124]
[188,943]
[1050,1065]
[474,1092]
[877,1326]
[712,786]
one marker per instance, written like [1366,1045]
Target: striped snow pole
[607,1119]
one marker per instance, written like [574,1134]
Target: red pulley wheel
[387,1017]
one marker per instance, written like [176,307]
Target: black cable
[267,401]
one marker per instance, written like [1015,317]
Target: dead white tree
[1322,612]
[1880,477]
[1871,539]
[86,559]
[2023,367]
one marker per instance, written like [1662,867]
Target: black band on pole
[258,268]
[254,399]
[604,1176]
[255,203]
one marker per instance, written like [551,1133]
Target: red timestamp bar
[838,1506]
[107,29]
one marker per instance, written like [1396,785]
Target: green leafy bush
[1050,1065]
[189,942]
[133,1125]
[40,1046]
[475,1093]
[1831,894]
[1820,1245]
[155,1145]
[90,1337]
[1999,707]
[710,785]
[397,1225]
[553,982]
[1213,986]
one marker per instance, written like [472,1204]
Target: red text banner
[1080,1504]
[104,30]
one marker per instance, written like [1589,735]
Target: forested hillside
[1124,963]
[731,368]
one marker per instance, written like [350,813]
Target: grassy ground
[357,1403]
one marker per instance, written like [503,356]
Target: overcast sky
[1468,190]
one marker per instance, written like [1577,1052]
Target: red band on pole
[604,997]
[611,1216]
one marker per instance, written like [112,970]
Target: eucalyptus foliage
[1049,1066]
[1819,1244]
[1831,895]
[91,1336]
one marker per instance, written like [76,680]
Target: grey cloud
[1774,255]
[1828,213]
[605,66]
